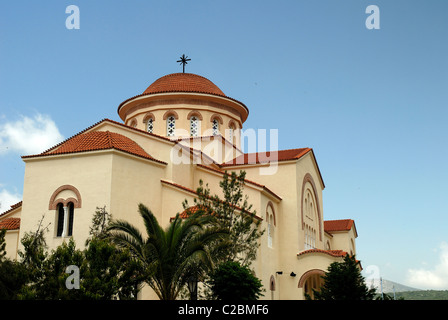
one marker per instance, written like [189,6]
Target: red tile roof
[10,224]
[338,225]
[269,156]
[178,186]
[333,253]
[98,140]
[13,207]
[245,180]
[183,82]
[192,210]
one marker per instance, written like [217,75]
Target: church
[178,131]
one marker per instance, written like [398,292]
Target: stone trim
[217,117]
[148,116]
[170,113]
[194,113]
[307,274]
[270,204]
[54,202]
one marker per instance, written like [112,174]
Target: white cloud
[29,135]
[436,278]
[7,199]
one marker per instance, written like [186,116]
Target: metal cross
[183,60]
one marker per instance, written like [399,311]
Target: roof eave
[238,105]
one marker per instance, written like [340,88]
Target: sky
[371,102]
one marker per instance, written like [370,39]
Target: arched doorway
[310,280]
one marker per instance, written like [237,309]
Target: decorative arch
[309,179]
[54,202]
[271,205]
[194,113]
[133,123]
[308,274]
[148,116]
[170,113]
[216,117]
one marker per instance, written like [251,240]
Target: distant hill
[388,286]
[423,295]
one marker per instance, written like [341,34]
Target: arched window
[170,126]
[270,231]
[148,120]
[272,286]
[215,127]
[310,220]
[231,132]
[71,214]
[64,219]
[64,201]
[60,220]
[195,126]
[150,125]
[270,217]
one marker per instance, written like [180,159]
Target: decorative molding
[170,113]
[148,116]
[217,117]
[54,202]
[271,205]
[194,113]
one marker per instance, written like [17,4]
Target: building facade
[180,130]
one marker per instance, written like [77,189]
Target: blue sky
[371,103]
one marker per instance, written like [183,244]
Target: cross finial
[183,60]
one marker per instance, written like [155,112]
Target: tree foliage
[232,281]
[12,274]
[169,255]
[233,213]
[2,243]
[105,272]
[343,281]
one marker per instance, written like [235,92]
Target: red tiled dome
[183,82]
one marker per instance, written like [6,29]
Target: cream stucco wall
[12,244]
[90,173]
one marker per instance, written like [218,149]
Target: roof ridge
[13,207]
[99,140]
[109,139]
[249,156]
[89,128]
[305,148]
[62,142]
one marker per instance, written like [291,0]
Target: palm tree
[171,255]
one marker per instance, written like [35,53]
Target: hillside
[405,292]
[388,286]
[423,295]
